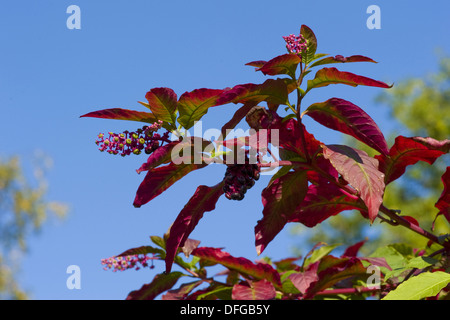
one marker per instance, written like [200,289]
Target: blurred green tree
[23,211]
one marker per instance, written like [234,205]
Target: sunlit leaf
[361,172]
[163,103]
[284,64]
[341,59]
[427,284]
[203,200]
[254,290]
[195,104]
[122,114]
[160,283]
[345,117]
[256,271]
[160,179]
[408,151]
[280,199]
[327,76]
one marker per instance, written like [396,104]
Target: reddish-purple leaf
[361,172]
[332,270]
[342,59]
[303,280]
[163,103]
[182,292]
[272,90]
[160,283]
[258,64]
[291,138]
[284,64]
[254,290]
[280,199]
[352,251]
[160,156]
[345,117]
[443,204]
[408,151]
[256,271]
[321,202]
[141,250]
[327,76]
[195,104]
[203,200]
[160,179]
[122,114]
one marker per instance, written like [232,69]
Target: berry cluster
[127,262]
[295,44]
[126,143]
[238,179]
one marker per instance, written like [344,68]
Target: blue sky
[50,75]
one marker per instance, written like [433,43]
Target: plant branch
[396,219]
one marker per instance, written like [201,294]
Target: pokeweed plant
[315,181]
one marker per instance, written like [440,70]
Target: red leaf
[256,271]
[122,114]
[327,76]
[443,204]
[272,90]
[258,64]
[195,104]
[182,292]
[160,283]
[361,172]
[303,280]
[254,290]
[344,116]
[290,138]
[332,270]
[203,200]
[163,103]
[160,156]
[284,64]
[160,179]
[342,59]
[280,199]
[352,251]
[321,202]
[408,151]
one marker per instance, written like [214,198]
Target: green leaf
[421,262]
[311,41]
[424,285]
[163,103]
[195,104]
[320,253]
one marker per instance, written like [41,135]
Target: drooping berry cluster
[295,44]
[126,143]
[127,262]
[238,179]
